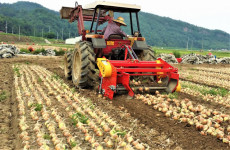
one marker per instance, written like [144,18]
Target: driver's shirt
[112,28]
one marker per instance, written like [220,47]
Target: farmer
[113,27]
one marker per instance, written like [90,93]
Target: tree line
[36,20]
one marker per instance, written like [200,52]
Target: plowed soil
[151,126]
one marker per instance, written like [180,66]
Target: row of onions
[98,121]
[99,130]
[217,70]
[38,113]
[196,90]
[22,118]
[207,121]
[210,74]
[58,122]
[207,80]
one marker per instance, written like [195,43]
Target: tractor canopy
[99,12]
[116,7]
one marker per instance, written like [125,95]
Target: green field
[13,38]
[185,51]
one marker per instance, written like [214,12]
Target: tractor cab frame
[99,13]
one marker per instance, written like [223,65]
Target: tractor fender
[98,43]
[140,45]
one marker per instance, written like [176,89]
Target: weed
[173,95]
[3,96]
[23,50]
[177,54]
[38,107]
[118,132]
[73,144]
[16,70]
[55,76]
[73,90]
[47,136]
[78,117]
[38,51]
[61,52]
[222,91]
[27,62]
[39,80]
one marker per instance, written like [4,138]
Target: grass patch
[218,54]
[218,91]
[207,90]
[173,95]
[3,96]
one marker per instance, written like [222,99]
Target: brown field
[40,109]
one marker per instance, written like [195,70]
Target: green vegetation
[173,95]
[33,19]
[38,107]
[118,132]
[3,96]
[47,136]
[184,51]
[78,117]
[158,31]
[61,52]
[16,70]
[176,54]
[39,80]
[206,90]
[73,144]
[55,76]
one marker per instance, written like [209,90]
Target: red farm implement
[116,56]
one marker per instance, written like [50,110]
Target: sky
[211,14]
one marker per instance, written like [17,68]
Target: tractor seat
[115,36]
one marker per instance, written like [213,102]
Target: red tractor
[116,57]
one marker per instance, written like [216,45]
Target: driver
[113,27]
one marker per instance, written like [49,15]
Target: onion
[99,148]
[109,144]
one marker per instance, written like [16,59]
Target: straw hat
[120,20]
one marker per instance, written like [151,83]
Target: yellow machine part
[132,39]
[104,67]
[178,88]
[159,73]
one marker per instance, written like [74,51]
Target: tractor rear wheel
[147,55]
[83,67]
[68,65]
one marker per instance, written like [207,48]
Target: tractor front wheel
[83,67]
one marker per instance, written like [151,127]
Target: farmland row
[210,74]
[215,70]
[208,94]
[206,80]
[207,121]
[51,110]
